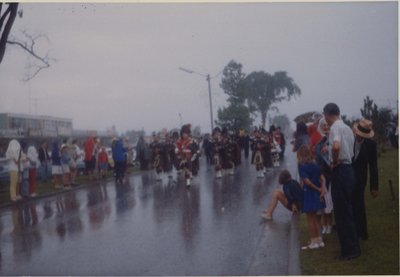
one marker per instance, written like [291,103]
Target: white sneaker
[219,174]
[188,182]
[321,244]
[328,229]
[324,230]
[312,245]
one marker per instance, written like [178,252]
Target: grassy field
[380,253]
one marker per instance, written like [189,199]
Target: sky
[118,64]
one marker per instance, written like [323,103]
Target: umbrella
[305,117]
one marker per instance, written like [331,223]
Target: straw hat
[364,128]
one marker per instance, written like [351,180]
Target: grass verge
[380,253]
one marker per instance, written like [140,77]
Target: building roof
[42,117]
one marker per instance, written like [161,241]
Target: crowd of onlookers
[60,161]
[334,164]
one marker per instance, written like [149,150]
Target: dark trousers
[358,204]
[246,152]
[119,168]
[342,188]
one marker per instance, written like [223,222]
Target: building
[23,125]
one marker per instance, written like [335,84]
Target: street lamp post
[209,91]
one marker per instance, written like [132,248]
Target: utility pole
[210,98]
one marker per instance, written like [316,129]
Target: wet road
[146,228]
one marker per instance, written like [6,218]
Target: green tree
[232,83]
[234,117]
[238,113]
[264,90]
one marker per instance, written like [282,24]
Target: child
[65,162]
[291,197]
[322,159]
[103,162]
[313,192]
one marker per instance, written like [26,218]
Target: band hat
[364,128]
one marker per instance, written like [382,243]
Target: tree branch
[30,48]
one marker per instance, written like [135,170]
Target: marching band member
[217,151]
[168,155]
[188,151]
[157,149]
[258,147]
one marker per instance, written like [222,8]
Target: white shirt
[342,133]
[13,155]
[33,157]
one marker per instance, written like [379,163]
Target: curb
[294,247]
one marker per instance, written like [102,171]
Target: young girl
[65,162]
[291,196]
[322,159]
[313,183]
[103,162]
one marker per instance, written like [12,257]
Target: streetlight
[209,90]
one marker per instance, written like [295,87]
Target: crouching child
[291,196]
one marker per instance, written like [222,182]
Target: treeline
[249,94]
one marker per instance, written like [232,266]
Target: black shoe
[348,257]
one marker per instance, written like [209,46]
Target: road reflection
[125,198]
[26,237]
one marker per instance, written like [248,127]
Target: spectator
[33,158]
[119,156]
[24,170]
[103,162]
[365,157]
[13,155]
[65,165]
[322,159]
[301,136]
[341,151]
[45,160]
[90,158]
[291,197]
[75,154]
[56,169]
[313,183]
[315,135]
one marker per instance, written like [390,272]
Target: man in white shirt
[341,151]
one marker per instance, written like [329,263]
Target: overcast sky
[117,64]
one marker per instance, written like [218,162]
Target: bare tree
[8,18]
[27,44]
